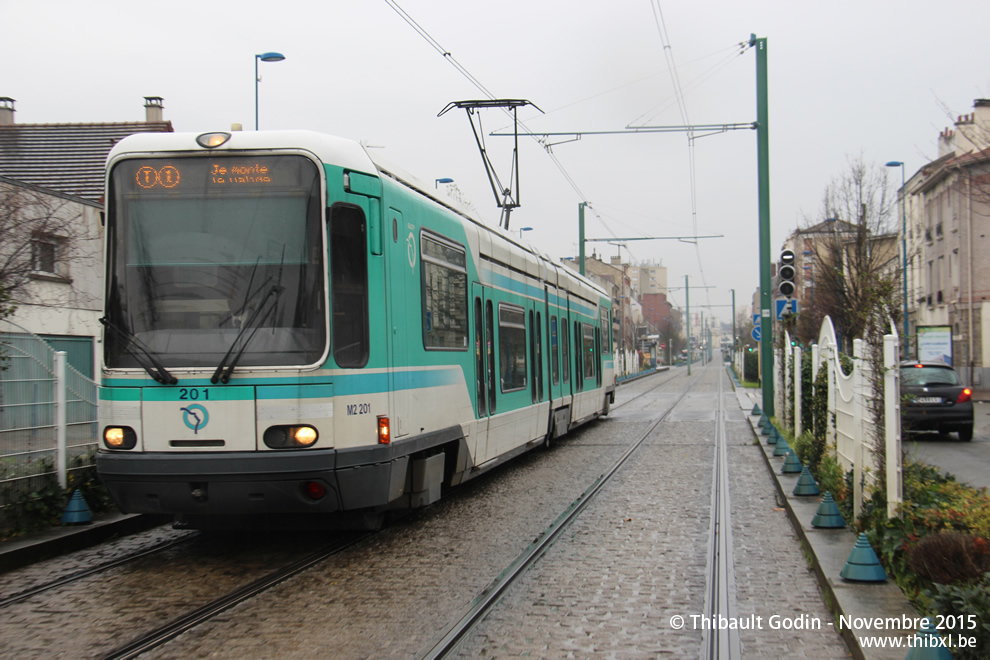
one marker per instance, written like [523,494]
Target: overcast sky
[846,79]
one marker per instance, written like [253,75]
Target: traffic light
[786,272]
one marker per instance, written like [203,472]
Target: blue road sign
[756,319]
[785,304]
[756,333]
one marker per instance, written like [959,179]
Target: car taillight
[965,395]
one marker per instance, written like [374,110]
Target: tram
[294,327]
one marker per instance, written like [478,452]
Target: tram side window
[539,357]
[512,347]
[588,335]
[445,317]
[565,356]
[490,349]
[606,335]
[349,282]
[533,354]
[479,356]
[578,358]
[554,351]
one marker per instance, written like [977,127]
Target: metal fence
[47,416]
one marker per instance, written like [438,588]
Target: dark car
[933,399]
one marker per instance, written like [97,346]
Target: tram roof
[330,149]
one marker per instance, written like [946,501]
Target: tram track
[159,636]
[672,376]
[95,570]
[461,628]
[720,597]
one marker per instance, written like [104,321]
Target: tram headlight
[212,140]
[119,437]
[290,437]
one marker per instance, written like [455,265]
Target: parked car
[933,399]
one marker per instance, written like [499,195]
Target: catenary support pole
[763,178]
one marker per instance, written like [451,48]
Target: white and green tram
[294,328]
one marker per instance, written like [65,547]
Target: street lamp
[264,57]
[437,182]
[897,163]
[522,229]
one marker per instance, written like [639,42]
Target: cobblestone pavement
[391,597]
[637,557]
[47,571]
[91,617]
[772,574]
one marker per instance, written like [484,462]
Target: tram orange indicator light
[384,430]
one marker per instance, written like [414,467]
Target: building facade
[51,203]
[947,217]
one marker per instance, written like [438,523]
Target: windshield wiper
[252,324]
[156,370]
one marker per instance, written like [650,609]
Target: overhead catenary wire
[447,55]
[544,142]
[682,107]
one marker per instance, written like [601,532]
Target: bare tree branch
[41,236]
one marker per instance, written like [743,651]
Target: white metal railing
[847,405]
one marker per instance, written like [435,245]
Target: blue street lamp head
[894,163]
[271,57]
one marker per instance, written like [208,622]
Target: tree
[669,331]
[854,253]
[41,233]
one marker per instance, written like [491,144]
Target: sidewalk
[829,550]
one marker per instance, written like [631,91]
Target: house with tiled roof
[51,201]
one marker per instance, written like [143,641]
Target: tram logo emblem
[195,417]
[411,249]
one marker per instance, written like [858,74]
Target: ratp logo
[195,417]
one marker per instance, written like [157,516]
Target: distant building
[51,182]
[948,243]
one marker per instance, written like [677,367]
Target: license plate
[928,399]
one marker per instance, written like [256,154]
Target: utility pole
[763,184]
[732,351]
[687,306]
[581,237]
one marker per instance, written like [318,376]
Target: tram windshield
[213,256]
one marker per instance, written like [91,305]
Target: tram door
[402,263]
[483,333]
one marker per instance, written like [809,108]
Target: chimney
[6,111]
[946,142]
[153,109]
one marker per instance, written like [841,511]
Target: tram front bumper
[252,482]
